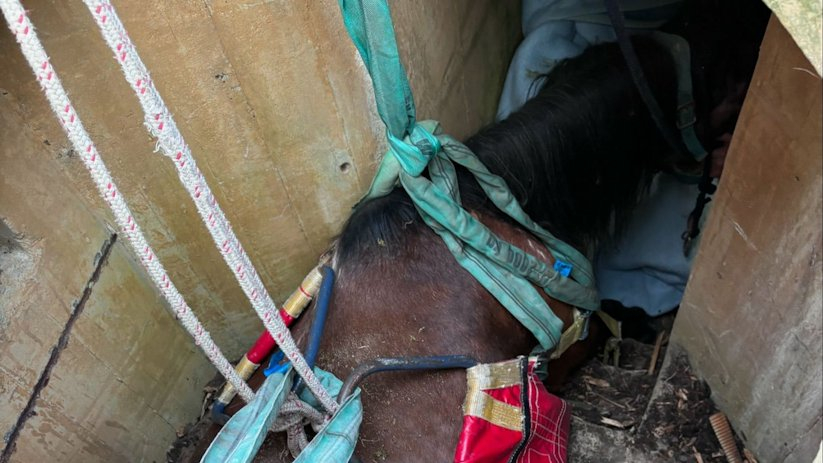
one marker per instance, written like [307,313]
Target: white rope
[23,30]
[295,411]
[159,122]
[293,417]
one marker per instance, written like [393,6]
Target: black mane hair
[577,156]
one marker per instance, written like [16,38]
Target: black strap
[707,188]
[639,77]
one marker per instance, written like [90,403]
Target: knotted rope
[293,417]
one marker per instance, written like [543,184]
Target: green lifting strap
[503,269]
[678,47]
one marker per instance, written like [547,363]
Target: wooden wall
[751,316]
[278,111]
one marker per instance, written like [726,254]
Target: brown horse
[578,157]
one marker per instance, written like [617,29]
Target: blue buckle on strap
[563,268]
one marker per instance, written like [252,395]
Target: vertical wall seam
[62,342]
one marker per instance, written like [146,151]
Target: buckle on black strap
[686,116]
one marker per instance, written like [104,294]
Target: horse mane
[578,156]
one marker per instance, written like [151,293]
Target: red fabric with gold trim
[505,421]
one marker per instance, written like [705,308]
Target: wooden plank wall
[751,316]
[279,114]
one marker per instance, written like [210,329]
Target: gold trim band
[244,369]
[482,377]
[494,411]
[300,298]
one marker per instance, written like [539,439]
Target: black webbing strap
[639,77]
[707,189]
[672,137]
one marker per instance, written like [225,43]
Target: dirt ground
[624,414]
[620,413]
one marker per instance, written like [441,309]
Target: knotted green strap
[503,269]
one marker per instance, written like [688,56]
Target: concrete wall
[751,316]
[276,106]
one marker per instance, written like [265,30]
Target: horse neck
[580,154]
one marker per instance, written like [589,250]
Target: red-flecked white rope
[23,30]
[161,125]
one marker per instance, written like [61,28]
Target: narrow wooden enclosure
[280,115]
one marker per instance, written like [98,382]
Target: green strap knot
[415,151]
[505,271]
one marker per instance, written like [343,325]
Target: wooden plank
[751,318]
